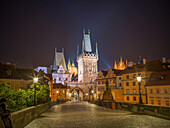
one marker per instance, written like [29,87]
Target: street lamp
[57,94]
[139,83]
[35,81]
[92,93]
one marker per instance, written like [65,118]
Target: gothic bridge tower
[87,60]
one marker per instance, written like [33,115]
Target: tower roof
[87,42]
[59,60]
[69,64]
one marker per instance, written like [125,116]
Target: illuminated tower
[87,61]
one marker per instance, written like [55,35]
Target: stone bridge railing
[153,110]
[23,117]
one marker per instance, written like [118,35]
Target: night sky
[29,31]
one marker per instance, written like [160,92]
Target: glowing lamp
[139,78]
[35,80]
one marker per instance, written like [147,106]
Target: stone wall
[153,110]
[22,117]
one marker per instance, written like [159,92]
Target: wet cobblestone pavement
[85,115]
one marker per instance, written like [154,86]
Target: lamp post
[35,80]
[92,93]
[57,94]
[139,83]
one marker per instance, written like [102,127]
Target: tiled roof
[149,66]
[159,78]
[59,85]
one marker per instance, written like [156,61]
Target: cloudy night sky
[29,30]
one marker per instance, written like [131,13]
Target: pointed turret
[96,49]
[126,63]
[63,50]
[115,67]
[77,50]
[83,47]
[55,63]
[69,64]
[73,63]
[121,59]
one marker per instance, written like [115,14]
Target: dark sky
[29,30]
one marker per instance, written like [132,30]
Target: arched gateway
[77,94]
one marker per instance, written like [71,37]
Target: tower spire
[69,64]
[63,50]
[96,49]
[77,50]
[73,63]
[120,59]
[89,32]
[83,47]
[55,63]
[115,67]
[83,31]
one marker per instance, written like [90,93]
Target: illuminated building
[72,69]
[59,71]
[109,75]
[121,65]
[158,89]
[87,60]
[130,84]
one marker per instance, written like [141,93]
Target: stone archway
[77,93]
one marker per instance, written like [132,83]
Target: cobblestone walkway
[85,115]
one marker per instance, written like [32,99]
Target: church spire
[121,59]
[115,67]
[83,47]
[73,63]
[55,64]
[69,64]
[96,49]
[77,50]
[126,63]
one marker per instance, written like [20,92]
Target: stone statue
[107,95]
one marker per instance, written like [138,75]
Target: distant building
[158,89]
[59,70]
[109,75]
[16,78]
[130,84]
[72,69]
[58,92]
[46,70]
[121,65]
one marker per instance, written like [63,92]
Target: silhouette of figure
[5,114]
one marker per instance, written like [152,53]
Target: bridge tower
[87,60]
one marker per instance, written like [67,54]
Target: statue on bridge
[107,95]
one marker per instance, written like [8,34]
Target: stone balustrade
[153,110]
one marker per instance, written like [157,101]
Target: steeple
[83,47]
[126,63]
[73,63]
[63,50]
[77,50]
[89,32]
[55,64]
[96,49]
[69,64]
[115,67]
[121,59]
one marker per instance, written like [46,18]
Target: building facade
[158,89]
[130,83]
[59,70]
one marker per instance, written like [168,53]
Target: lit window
[152,102]
[166,90]
[151,91]
[134,90]
[127,76]
[159,102]
[167,103]
[134,98]
[127,83]
[134,83]
[110,81]
[127,97]
[127,90]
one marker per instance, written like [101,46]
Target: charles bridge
[92,114]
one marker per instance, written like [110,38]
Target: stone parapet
[23,117]
[153,110]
